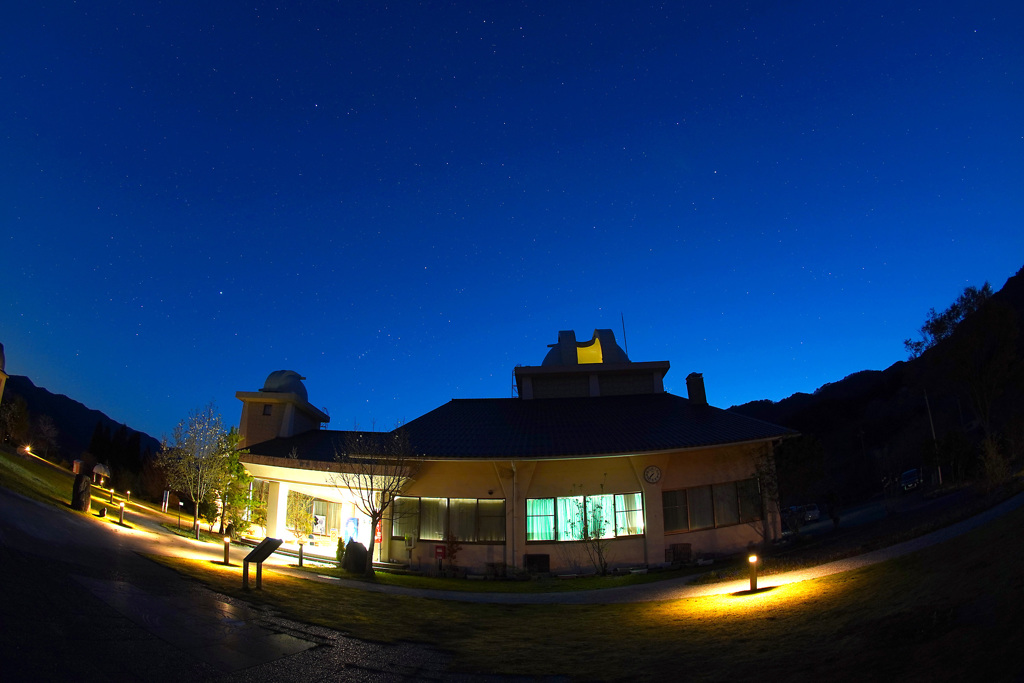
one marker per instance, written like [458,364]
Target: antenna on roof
[625,344]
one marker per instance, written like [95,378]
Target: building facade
[593,447]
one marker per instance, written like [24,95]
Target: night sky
[404,201]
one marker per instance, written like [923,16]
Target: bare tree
[196,459]
[374,467]
[591,522]
[46,432]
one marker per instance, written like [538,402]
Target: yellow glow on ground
[590,354]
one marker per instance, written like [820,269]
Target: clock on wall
[652,474]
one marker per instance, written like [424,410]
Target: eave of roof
[557,428]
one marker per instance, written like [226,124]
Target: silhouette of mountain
[878,422]
[75,422]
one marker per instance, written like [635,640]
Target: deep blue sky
[402,202]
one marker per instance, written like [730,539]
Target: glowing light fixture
[753,571]
[227,550]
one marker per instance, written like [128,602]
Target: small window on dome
[267,408]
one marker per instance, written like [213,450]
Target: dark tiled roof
[547,428]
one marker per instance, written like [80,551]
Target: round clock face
[652,474]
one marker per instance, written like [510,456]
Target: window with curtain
[605,515]
[673,507]
[704,507]
[491,520]
[405,517]
[701,507]
[727,508]
[433,515]
[540,519]
[629,514]
[601,516]
[462,518]
[569,518]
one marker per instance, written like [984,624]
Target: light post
[753,572]
[179,515]
[300,553]
[127,496]
[227,550]
[120,519]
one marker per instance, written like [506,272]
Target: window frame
[446,521]
[587,505]
[748,507]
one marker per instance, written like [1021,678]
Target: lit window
[629,514]
[491,520]
[576,518]
[471,520]
[540,519]
[433,514]
[405,517]
[267,408]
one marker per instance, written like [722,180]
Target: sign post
[260,553]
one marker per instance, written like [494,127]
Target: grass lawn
[538,585]
[33,477]
[952,611]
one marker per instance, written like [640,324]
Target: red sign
[378,537]
[439,552]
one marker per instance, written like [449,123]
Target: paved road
[79,603]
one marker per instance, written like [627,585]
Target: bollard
[111,494]
[753,572]
[227,550]
[121,518]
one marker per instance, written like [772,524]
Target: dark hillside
[75,422]
[874,424]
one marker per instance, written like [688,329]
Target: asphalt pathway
[80,603]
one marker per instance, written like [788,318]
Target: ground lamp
[227,550]
[127,495]
[753,572]
[300,553]
[121,518]
[179,515]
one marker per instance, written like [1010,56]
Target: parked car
[811,513]
[910,479]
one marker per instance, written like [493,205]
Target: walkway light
[227,550]
[121,518]
[753,572]
[179,515]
